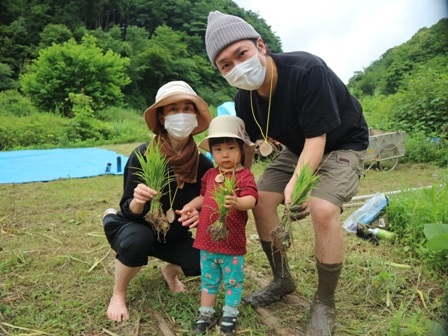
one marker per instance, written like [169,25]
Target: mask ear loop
[264,56]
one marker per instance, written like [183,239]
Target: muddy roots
[159,223]
[281,238]
[218,231]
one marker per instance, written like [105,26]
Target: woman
[177,114]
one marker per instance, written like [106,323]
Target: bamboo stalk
[364,197]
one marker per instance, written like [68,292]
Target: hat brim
[204,116]
[204,144]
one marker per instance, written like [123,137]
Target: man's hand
[298,212]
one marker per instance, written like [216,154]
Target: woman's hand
[143,194]
[189,216]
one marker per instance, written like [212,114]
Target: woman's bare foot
[170,273]
[117,310]
[109,211]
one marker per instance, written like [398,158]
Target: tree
[6,81]
[54,33]
[75,68]
[387,74]
[424,102]
[14,45]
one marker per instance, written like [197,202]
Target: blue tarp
[46,165]
[227,108]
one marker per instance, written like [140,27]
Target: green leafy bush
[35,130]
[423,100]
[128,125]
[377,110]
[75,68]
[12,102]
[83,126]
[421,149]
[127,131]
[117,113]
[47,130]
[410,211]
[437,235]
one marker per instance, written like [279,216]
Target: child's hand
[231,201]
[189,216]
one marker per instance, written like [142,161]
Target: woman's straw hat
[173,92]
[226,126]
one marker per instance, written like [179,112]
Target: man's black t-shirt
[309,100]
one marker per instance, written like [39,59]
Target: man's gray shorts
[339,173]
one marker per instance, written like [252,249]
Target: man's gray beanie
[223,30]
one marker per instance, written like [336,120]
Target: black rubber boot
[281,285]
[323,309]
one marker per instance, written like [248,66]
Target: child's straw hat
[226,126]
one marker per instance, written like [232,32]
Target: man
[296,99]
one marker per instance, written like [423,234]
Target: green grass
[56,268]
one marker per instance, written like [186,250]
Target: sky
[347,34]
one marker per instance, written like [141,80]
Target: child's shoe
[203,324]
[228,325]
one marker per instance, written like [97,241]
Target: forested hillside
[406,89]
[429,46]
[67,63]
[163,39]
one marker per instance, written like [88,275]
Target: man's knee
[267,203]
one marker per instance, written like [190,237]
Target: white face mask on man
[248,75]
[180,125]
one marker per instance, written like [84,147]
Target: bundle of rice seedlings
[282,234]
[218,230]
[155,173]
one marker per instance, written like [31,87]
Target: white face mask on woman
[248,75]
[180,125]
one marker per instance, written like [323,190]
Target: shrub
[75,68]
[421,149]
[12,102]
[377,111]
[83,126]
[437,235]
[35,130]
[115,113]
[409,211]
[127,131]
